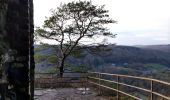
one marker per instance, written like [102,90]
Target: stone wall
[32,63]
[3,9]
[16,29]
[3,45]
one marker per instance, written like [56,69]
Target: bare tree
[73,22]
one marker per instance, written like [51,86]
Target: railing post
[85,80]
[85,77]
[99,84]
[151,84]
[117,87]
[51,81]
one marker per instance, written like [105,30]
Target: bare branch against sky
[139,21]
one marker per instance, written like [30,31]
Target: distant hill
[164,48]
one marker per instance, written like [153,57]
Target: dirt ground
[66,94]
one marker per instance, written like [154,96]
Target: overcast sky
[140,22]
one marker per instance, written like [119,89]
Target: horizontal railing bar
[159,81]
[165,97]
[135,87]
[128,76]
[116,90]
[102,73]
[57,82]
[59,77]
[103,79]
[122,84]
[45,73]
[59,73]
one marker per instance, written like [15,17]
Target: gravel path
[65,94]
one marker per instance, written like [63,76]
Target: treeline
[120,55]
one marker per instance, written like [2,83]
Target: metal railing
[118,84]
[88,78]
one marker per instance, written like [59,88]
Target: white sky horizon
[140,22]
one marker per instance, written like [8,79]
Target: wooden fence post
[99,84]
[86,80]
[151,85]
[117,87]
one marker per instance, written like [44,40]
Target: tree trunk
[62,68]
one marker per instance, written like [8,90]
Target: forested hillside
[95,57]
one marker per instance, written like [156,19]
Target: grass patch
[157,67]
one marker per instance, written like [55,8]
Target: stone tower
[18,29]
